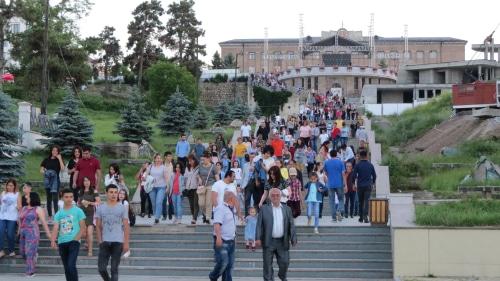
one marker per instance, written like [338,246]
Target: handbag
[148,184]
[203,188]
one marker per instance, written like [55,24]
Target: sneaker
[360,219]
[29,275]
[366,220]
[193,222]
[12,255]
[157,221]
[316,231]
[2,254]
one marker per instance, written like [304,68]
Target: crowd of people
[292,163]
[267,80]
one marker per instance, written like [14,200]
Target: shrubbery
[270,102]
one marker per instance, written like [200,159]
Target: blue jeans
[241,161]
[331,197]
[349,203]
[313,210]
[51,180]
[9,227]
[336,142]
[157,195]
[224,260]
[177,202]
[343,140]
[314,142]
[69,253]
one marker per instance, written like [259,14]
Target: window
[251,56]
[293,82]
[309,83]
[302,85]
[407,55]
[291,55]
[433,54]
[421,94]
[430,94]
[362,82]
[438,93]
[394,55]
[356,81]
[316,83]
[420,54]
[381,55]
[369,80]
[15,27]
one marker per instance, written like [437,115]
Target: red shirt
[278,145]
[175,186]
[87,168]
[335,132]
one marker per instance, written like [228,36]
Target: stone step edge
[258,250]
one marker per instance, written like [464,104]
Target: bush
[57,96]
[99,103]
[15,91]
[270,102]
[480,147]
[469,212]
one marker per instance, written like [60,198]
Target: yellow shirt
[284,173]
[240,149]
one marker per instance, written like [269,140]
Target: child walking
[250,226]
[314,197]
[175,190]
[294,200]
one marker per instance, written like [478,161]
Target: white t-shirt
[220,187]
[237,173]
[323,137]
[245,130]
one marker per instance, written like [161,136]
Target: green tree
[164,77]
[239,111]
[11,165]
[142,30]
[112,53]
[257,112]
[222,113]
[229,61]
[133,126]
[67,58]
[201,118]
[71,127]
[7,11]
[183,30]
[382,63]
[217,61]
[175,116]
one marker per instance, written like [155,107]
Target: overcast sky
[231,19]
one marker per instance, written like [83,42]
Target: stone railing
[338,71]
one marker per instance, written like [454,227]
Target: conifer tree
[201,117]
[240,111]
[257,112]
[222,113]
[11,165]
[133,126]
[176,115]
[70,128]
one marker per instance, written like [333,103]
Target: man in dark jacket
[364,178]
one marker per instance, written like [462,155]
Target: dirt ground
[454,131]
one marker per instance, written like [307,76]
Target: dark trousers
[364,196]
[193,203]
[145,199]
[167,211]
[52,199]
[251,190]
[69,253]
[224,261]
[108,250]
[183,160]
[277,248]
[76,192]
[349,203]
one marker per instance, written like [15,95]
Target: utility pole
[45,58]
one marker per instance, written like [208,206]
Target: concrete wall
[426,76]
[392,96]
[212,94]
[450,252]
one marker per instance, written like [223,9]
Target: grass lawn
[469,212]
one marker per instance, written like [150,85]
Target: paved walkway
[47,277]
[300,221]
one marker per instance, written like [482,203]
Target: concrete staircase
[180,250]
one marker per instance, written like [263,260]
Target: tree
[239,111]
[133,126]
[201,117]
[222,113]
[183,30]
[176,115]
[382,63]
[142,30]
[67,58]
[229,61]
[11,165]
[112,52]
[151,55]
[217,61]
[7,11]
[257,112]
[71,127]
[163,79]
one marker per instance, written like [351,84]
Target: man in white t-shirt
[245,130]
[221,186]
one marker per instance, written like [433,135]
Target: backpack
[131,216]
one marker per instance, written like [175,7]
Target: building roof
[310,39]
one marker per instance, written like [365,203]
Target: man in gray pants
[275,231]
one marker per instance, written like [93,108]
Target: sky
[235,19]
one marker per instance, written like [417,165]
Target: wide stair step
[185,250]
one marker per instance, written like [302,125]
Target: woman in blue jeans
[175,188]
[159,172]
[9,208]
[50,168]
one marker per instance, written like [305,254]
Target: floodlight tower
[371,40]
[406,55]
[301,40]
[266,49]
